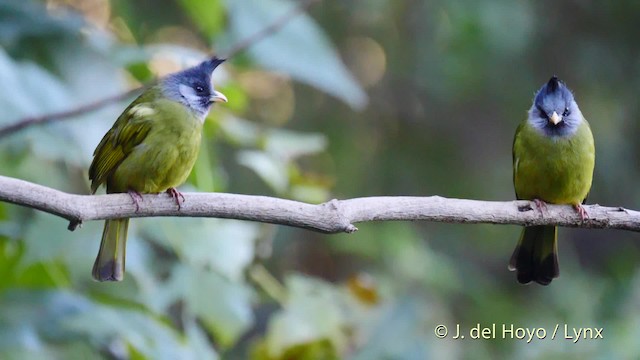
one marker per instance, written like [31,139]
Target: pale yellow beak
[218,97]
[555,118]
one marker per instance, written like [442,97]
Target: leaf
[31,90]
[208,15]
[271,170]
[241,131]
[299,49]
[226,246]
[28,89]
[198,340]
[287,144]
[224,306]
[47,240]
[25,330]
[28,21]
[400,334]
[312,313]
[121,328]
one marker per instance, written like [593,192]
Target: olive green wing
[131,128]
[516,155]
[584,201]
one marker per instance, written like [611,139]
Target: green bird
[553,161]
[151,148]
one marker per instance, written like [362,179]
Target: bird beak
[554,118]
[218,97]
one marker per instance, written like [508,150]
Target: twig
[43,119]
[332,217]
[270,29]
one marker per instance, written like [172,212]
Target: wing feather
[127,132]
[516,156]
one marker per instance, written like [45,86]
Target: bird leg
[540,205]
[136,197]
[176,195]
[581,211]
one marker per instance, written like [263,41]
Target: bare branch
[332,217]
[43,119]
[270,29]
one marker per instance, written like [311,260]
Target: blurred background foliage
[356,98]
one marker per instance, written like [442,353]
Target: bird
[151,148]
[553,162]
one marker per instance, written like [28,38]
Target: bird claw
[136,198]
[540,205]
[176,195]
[581,211]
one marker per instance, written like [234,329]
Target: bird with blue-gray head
[150,149]
[553,162]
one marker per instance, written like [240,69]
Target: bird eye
[199,89]
[566,112]
[542,112]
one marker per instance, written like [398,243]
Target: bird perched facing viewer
[151,148]
[553,161]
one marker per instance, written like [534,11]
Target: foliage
[336,104]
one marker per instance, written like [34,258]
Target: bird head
[193,88]
[554,110]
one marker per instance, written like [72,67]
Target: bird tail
[109,265]
[536,256]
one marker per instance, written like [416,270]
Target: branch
[331,217]
[68,114]
[270,29]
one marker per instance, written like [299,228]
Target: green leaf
[208,15]
[27,21]
[312,313]
[226,246]
[300,48]
[121,328]
[47,239]
[224,306]
[22,328]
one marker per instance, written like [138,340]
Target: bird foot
[136,198]
[581,211]
[540,205]
[176,195]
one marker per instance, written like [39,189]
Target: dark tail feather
[109,265]
[536,256]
